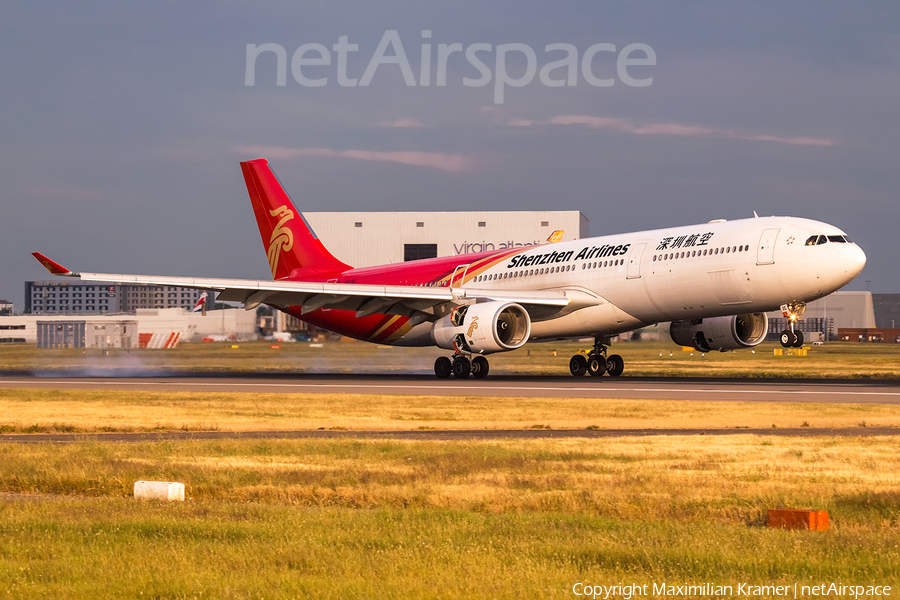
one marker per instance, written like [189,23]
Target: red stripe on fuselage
[418,272]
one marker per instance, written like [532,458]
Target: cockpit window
[818,240]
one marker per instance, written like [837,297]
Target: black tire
[596,365]
[615,365]
[461,367]
[798,343]
[443,367]
[578,365]
[787,338]
[480,367]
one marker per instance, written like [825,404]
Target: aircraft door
[766,252]
[634,263]
[459,274]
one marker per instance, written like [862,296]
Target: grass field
[389,519]
[831,361]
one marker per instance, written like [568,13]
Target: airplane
[713,281]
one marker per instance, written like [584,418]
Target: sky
[122,124]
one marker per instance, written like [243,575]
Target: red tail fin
[290,243]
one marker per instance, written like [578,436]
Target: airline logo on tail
[201,304]
[282,237]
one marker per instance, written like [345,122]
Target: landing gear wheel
[461,367]
[443,367]
[596,365]
[480,367]
[615,365]
[578,365]
[798,343]
[788,338]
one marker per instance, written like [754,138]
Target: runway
[746,390]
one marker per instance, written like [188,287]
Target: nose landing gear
[792,338]
[597,362]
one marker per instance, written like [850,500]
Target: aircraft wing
[415,302]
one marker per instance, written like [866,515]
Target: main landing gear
[792,338]
[597,362]
[461,367]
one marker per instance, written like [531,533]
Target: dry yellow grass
[89,411]
[723,479]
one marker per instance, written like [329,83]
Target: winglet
[54,267]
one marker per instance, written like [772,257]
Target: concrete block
[159,490]
[813,520]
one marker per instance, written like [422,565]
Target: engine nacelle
[721,333]
[483,328]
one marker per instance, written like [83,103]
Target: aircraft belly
[604,318]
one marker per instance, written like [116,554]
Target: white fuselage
[620,282]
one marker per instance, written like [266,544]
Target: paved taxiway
[838,391]
[447,434]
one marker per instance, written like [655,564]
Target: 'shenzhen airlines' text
[586,253]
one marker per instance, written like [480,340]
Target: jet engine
[483,328]
[721,333]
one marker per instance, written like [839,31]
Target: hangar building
[364,239]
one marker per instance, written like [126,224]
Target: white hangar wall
[364,239]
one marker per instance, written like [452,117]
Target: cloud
[670,129]
[401,123]
[436,160]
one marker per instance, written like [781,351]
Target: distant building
[888,336]
[6,307]
[105,333]
[887,310]
[144,328]
[82,297]
[365,239]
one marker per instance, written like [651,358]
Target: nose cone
[852,260]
